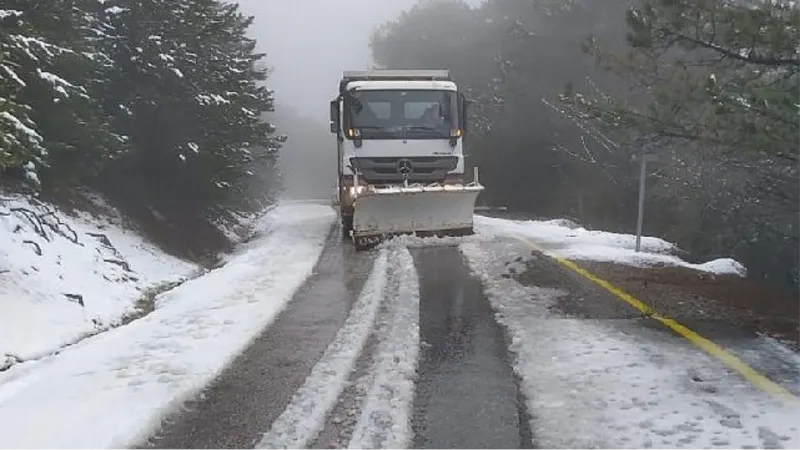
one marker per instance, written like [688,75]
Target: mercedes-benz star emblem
[404,167]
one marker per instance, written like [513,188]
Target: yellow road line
[713,349]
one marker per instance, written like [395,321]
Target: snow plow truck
[399,136]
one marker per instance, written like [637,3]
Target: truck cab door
[463,109]
[335,117]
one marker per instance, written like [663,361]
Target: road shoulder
[690,295]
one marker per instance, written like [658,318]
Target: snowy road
[584,369]
[478,342]
[419,310]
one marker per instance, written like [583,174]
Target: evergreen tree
[158,104]
[50,66]
[718,89]
[191,98]
[721,72]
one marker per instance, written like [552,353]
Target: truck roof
[393,75]
[401,85]
[383,74]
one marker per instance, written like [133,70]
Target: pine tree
[190,99]
[22,53]
[723,73]
[51,64]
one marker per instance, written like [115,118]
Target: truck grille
[420,169]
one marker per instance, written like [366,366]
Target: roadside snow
[411,241]
[721,266]
[569,240]
[304,417]
[63,278]
[620,383]
[113,390]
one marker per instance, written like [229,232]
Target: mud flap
[426,210]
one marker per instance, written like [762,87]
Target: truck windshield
[403,114]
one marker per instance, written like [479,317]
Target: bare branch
[592,132]
[34,219]
[36,246]
[751,59]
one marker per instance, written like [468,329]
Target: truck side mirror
[335,116]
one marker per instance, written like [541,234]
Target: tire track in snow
[343,417]
[385,420]
[305,415]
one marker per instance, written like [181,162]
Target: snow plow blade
[436,210]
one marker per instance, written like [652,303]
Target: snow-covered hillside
[65,277]
[113,390]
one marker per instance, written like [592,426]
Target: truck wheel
[347,225]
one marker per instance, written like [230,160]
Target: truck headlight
[356,190]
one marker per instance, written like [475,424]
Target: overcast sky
[310,42]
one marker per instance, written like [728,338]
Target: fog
[309,42]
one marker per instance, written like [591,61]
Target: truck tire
[347,225]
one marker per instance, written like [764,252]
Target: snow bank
[569,240]
[240,227]
[63,278]
[114,389]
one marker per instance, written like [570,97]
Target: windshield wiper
[404,128]
[420,127]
